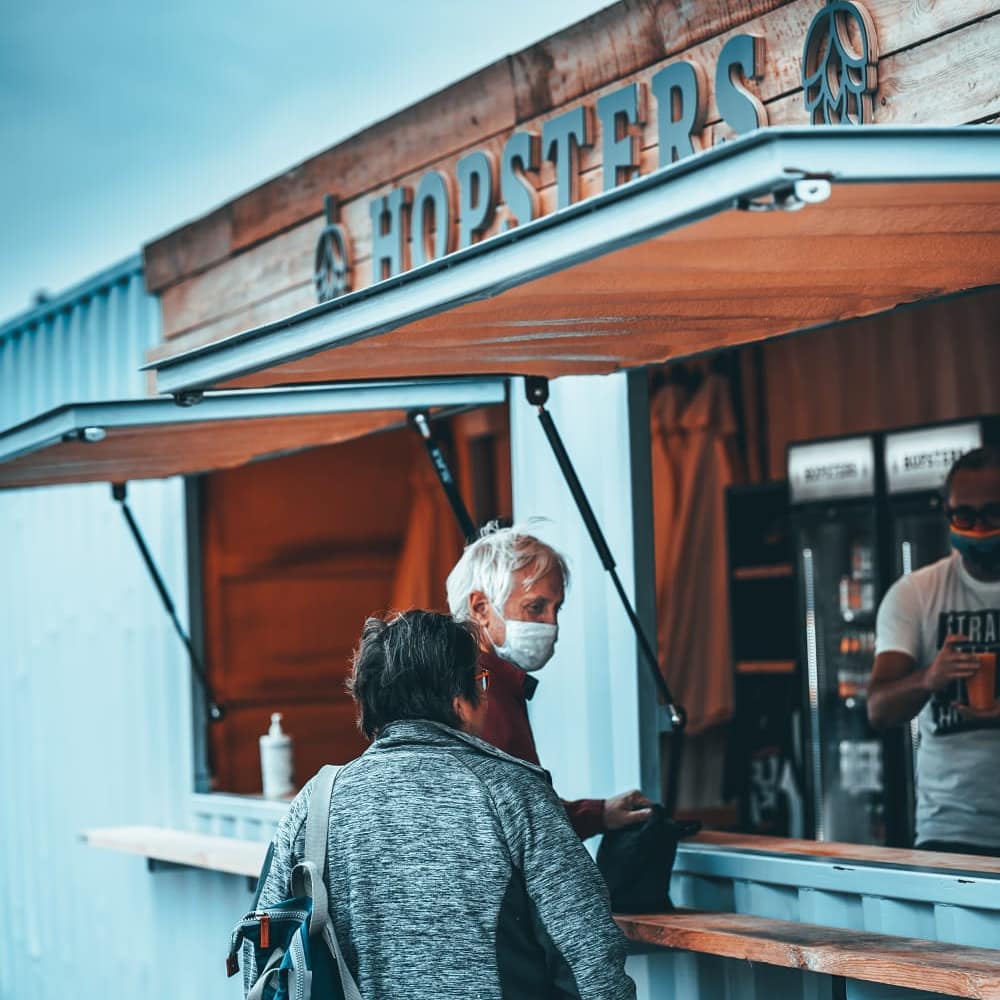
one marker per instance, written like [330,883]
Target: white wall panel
[97,732]
[585,712]
[95,692]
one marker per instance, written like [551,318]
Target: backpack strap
[266,974]
[309,876]
[318,818]
[347,983]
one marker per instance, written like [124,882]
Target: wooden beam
[924,81]
[585,60]
[911,963]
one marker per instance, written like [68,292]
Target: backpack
[295,946]
[636,862]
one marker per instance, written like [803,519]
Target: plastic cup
[982,685]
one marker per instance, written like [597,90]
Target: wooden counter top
[179,847]
[914,963]
[946,968]
[834,851]
[242,857]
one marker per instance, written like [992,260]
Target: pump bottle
[276,760]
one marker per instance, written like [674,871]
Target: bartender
[936,641]
[512,585]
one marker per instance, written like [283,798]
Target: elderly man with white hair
[512,585]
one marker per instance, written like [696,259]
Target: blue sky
[121,120]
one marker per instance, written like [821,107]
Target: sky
[121,120]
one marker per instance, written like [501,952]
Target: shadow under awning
[155,438]
[777,231]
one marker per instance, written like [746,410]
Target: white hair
[489,563]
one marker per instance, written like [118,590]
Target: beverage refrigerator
[865,510]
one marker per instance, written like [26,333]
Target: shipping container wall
[87,344]
[96,696]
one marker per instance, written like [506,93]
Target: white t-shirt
[958,792]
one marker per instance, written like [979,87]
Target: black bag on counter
[636,862]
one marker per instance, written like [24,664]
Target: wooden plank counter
[180,847]
[826,850]
[911,963]
[907,962]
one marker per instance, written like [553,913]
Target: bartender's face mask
[974,515]
[525,630]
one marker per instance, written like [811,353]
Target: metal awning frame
[89,421]
[757,170]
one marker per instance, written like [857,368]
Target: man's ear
[479,607]
[461,708]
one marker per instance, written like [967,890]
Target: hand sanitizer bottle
[276,760]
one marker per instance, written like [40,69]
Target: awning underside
[154,438]
[678,262]
[733,278]
[130,453]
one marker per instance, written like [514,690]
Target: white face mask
[528,645]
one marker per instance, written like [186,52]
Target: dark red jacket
[508,728]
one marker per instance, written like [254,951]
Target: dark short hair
[412,666]
[986,457]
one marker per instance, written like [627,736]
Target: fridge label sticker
[920,460]
[831,470]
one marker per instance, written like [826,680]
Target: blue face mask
[979,547]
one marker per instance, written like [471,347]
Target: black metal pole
[538,393]
[214,709]
[421,423]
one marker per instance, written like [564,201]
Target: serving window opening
[767,597]
[291,554]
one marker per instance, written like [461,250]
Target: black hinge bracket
[420,422]
[214,710]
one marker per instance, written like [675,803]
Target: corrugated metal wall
[94,688]
[84,345]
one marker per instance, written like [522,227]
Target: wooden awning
[155,438]
[778,231]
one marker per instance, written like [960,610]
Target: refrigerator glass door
[837,553]
[919,534]
[919,537]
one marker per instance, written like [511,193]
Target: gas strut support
[214,709]
[537,391]
[421,423]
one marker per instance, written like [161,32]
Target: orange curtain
[694,460]
[668,437]
[431,546]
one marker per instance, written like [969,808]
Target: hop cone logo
[332,269]
[839,65]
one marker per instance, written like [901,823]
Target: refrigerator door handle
[812,675]
[906,556]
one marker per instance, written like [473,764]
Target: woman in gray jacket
[453,871]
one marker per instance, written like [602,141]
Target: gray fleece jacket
[454,873]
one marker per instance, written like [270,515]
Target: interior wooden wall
[296,553]
[918,365]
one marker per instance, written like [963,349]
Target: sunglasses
[482,680]
[965,517]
